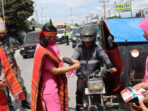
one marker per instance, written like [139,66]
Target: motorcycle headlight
[95,85]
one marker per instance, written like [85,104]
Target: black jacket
[91,58]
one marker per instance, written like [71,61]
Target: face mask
[52,42]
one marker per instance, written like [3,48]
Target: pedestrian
[144,25]
[67,36]
[49,82]
[9,52]
[90,56]
[10,70]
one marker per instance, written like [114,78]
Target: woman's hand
[143,107]
[2,84]
[145,99]
[141,85]
[75,61]
[76,66]
[132,107]
[60,58]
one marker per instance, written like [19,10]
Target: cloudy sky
[79,11]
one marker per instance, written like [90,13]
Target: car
[29,45]
[14,42]
[75,37]
[60,38]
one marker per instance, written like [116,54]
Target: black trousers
[67,40]
[81,85]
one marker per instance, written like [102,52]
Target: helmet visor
[88,38]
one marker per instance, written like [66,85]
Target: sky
[80,11]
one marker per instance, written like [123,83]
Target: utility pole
[131,10]
[104,6]
[42,10]
[71,15]
[87,19]
[36,13]
[3,10]
[109,13]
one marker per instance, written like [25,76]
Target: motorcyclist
[90,56]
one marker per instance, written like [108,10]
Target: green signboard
[123,6]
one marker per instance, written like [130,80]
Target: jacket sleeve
[103,57]
[76,53]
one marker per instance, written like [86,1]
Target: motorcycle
[95,98]
[95,95]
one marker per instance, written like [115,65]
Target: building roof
[126,30]
[59,24]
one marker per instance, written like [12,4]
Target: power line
[3,10]
[36,13]
[104,6]
[71,15]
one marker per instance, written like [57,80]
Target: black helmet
[88,33]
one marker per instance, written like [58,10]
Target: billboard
[123,6]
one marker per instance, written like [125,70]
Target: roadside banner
[123,6]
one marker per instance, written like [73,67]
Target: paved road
[26,66]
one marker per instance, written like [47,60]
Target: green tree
[32,22]
[115,16]
[50,21]
[76,24]
[16,14]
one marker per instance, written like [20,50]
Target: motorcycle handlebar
[67,60]
[83,74]
[102,72]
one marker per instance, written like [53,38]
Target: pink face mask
[52,42]
[54,48]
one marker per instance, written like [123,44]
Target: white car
[60,35]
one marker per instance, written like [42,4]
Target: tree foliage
[32,22]
[50,22]
[115,16]
[76,24]
[16,14]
